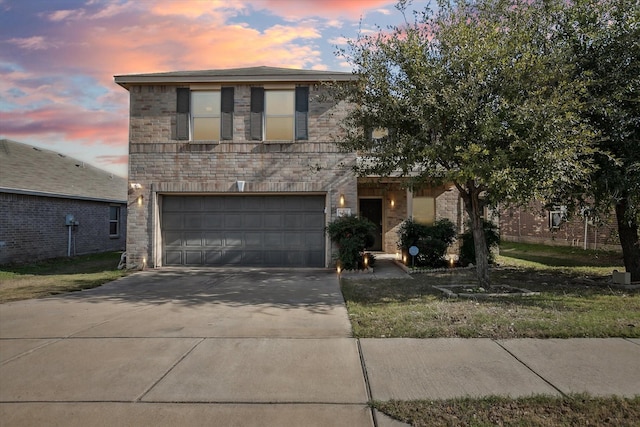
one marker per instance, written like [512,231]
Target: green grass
[51,277]
[573,301]
[538,411]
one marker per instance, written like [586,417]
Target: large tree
[604,37]
[474,94]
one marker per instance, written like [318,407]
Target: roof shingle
[28,169]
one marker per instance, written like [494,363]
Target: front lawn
[576,300]
[51,277]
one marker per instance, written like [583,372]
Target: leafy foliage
[476,94]
[467,247]
[352,235]
[604,45]
[432,241]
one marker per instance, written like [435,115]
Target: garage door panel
[233,203]
[214,239]
[173,257]
[253,257]
[243,230]
[233,240]
[232,220]
[212,220]
[173,238]
[252,220]
[193,257]
[172,221]
[192,238]
[193,221]
[255,240]
[231,257]
[192,203]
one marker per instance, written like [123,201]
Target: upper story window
[205,115]
[279,114]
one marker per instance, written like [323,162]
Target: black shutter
[302,112]
[226,108]
[182,109]
[257,109]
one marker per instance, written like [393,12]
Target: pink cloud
[352,9]
[67,123]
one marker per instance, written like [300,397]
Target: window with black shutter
[182,110]
[257,110]
[302,112]
[226,107]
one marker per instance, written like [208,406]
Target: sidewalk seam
[367,384]
[531,369]
[180,359]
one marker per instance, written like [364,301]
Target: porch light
[136,186]
[342,200]
[140,200]
[393,203]
[240,185]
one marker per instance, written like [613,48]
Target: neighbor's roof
[25,169]
[235,75]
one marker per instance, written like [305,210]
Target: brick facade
[163,165]
[531,225]
[33,227]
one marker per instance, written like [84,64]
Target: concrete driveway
[256,347]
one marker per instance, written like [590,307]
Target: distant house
[53,206]
[240,167]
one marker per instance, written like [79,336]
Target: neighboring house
[239,167]
[557,226]
[54,206]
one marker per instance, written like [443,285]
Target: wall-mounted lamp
[140,200]
[393,203]
[240,185]
[342,200]
[136,186]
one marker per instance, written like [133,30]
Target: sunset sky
[58,57]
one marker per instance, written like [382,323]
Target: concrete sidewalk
[268,348]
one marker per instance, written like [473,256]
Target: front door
[372,210]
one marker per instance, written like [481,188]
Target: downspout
[586,226]
[69,243]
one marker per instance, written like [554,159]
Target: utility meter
[70,219]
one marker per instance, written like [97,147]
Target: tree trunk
[474,207]
[628,232]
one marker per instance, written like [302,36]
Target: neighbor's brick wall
[33,227]
[531,225]
[163,165]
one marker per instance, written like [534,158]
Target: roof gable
[28,169]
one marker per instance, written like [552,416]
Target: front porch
[387,202]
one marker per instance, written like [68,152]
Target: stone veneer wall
[161,164]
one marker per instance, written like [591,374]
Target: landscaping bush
[352,235]
[467,248]
[432,241]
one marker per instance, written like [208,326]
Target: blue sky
[58,57]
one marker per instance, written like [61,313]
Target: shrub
[352,235]
[467,248]
[432,241]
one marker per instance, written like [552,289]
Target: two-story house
[240,167]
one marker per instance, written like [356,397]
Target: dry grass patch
[51,277]
[573,301]
[538,411]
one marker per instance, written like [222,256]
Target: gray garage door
[273,231]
